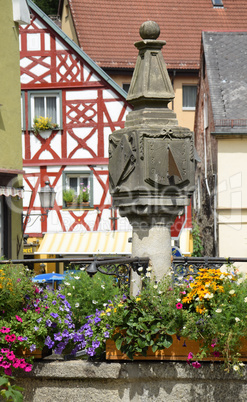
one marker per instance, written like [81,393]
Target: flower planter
[45,133]
[70,204]
[84,204]
[179,350]
[36,354]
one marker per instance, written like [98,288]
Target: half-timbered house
[60,82]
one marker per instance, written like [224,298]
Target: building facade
[13,14]
[221,141]
[60,82]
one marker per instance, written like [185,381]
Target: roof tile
[107,29]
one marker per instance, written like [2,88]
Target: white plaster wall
[232,198]
[232,173]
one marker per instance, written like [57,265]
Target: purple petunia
[54,315]
[97,319]
[49,342]
[58,337]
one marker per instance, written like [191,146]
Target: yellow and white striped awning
[86,243]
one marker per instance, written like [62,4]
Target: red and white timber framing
[91,109]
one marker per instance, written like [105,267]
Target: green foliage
[32,322]
[69,195]
[83,195]
[85,294]
[15,288]
[197,242]
[50,7]
[148,320]
[10,391]
[209,306]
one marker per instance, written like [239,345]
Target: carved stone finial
[149,30]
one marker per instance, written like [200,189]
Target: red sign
[178,225]
[182,222]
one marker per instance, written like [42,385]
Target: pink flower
[10,355]
[10,338]
[8,371]
[18,280]
[16,363]
[28,367]
[179,306]
[190,356]
[196,364]
[5,350]
[37,309]
[20,338]
[183,292]
[5,364]
[214,342]
[22,363]
[18,318]
[4,330]
[216,354]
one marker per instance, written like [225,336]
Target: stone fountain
[151,160]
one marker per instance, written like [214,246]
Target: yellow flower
[138,299]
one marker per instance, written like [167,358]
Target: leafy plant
[10,391]
[209,306]
[45,320]
[42,124]
[16,288]
[197,242]
[83,195]
[85,294]
[69,195]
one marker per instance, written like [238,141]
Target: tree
[50,7]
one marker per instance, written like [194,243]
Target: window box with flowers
[81,185]
[197,318]
[43,126]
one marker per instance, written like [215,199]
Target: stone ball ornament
[149,30]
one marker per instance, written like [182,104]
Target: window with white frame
[78,189]
[189,97]
[45,104]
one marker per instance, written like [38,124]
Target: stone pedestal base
[152,241]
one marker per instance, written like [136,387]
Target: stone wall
[79,381]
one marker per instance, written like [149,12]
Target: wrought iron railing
[121,267]
[118,267]
[190,265]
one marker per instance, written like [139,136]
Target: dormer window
[217,3]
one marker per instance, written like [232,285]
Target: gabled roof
[226,60]
[107,29]
[76,48]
